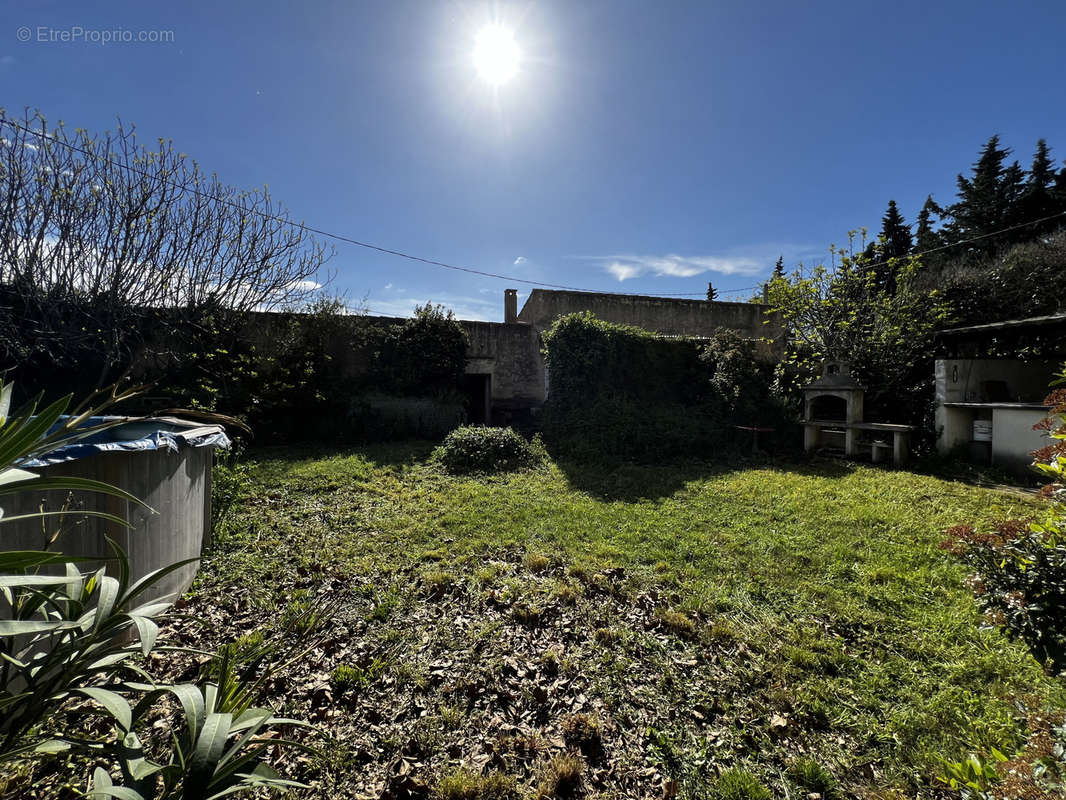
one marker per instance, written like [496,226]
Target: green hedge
[477,448]
[618,391]
[588,357]
[319,374]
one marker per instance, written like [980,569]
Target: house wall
[1013,437]
[963,381]
[670,316]
[960,380]
[510,354]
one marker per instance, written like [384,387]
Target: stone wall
[666,315]
[510,354]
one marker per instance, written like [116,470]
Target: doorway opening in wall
[477,388]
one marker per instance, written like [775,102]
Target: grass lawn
[669,623]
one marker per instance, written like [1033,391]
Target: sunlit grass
[830,576]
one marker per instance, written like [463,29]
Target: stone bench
[901,437]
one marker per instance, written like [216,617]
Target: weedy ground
[625,631]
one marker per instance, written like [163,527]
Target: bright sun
[496,54]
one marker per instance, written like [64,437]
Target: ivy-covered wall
[622,392]
[588,358]
[319,375]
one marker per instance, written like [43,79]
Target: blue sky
[642,147]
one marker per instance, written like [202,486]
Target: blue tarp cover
[161,433]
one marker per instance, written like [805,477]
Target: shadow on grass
[954,467]
[610,479]
[632,483]
[379,454]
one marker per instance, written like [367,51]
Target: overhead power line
[942,247]
[442,264]
[320,231]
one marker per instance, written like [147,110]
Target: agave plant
[71,639]
[216,753]
[30,432]
[61,630]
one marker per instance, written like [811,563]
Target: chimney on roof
[510,306]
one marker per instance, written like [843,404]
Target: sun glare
[496,54]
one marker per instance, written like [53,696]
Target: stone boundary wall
[665,315]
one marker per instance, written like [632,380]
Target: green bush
[292,377]
[481,449]
[588,357]
[740,381]
[1015,284]
[462,784]
[626,393]
[425,356]
[623,392]
[811,776]
[277,372]
[1019,580]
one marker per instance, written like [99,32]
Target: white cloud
[624,267]
[388,285]
[745,261]
[622,271]
[520,261]
[305,286]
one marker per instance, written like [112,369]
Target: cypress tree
[894,242]
[988,200]
[1042,173]
[1040,198]
[896,239]
[925,238]
[779,268]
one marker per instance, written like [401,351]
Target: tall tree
[988,200]
[925,238]
[779,268]
[894,243]
[896,239]
[1040,198]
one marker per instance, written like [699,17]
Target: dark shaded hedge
[320,374]
[588,357]
[622,392]
[1027,280]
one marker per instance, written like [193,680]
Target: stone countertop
[975,404]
